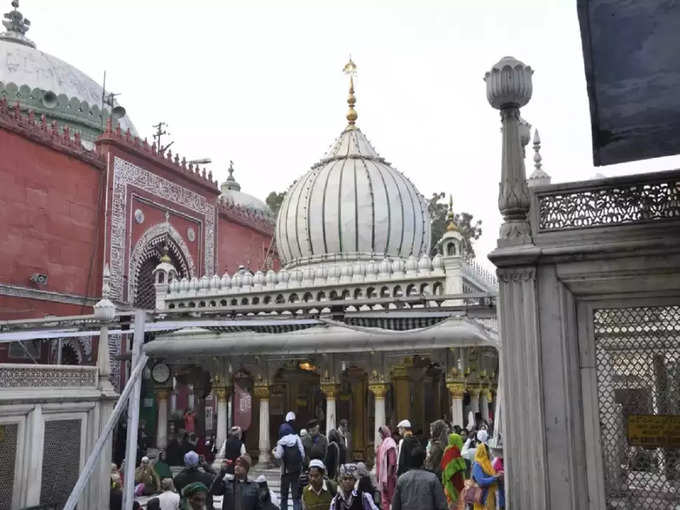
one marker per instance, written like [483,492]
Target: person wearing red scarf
[386,467]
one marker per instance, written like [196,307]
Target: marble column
[162,396]
[457,391]
[474,392]
[221,433]
[261,392]
[379,390]
[484,403]
[331,391]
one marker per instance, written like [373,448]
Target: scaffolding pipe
[89,467]
[133,415]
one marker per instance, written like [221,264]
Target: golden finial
[450,219]
[351,69]
[166,257]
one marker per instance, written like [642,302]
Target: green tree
[274,201]
[470,228]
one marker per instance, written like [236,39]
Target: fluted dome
[47,85]
[352,205]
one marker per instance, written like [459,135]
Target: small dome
[47,85]
[231,192]
[352,205]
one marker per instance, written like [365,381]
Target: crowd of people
[454,469]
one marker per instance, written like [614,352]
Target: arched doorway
[144,292]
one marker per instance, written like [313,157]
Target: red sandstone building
[78,201]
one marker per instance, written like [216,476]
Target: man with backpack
[290,451]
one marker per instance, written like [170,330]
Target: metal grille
[617,204]
[638,374]
[61,461]
[8,451]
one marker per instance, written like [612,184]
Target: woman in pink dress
[386,467]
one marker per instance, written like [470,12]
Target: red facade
[66,212]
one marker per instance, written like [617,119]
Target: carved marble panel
[125,174]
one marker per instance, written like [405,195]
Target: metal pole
[89,467]
[133,415]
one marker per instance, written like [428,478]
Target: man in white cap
[146,474]
[290,451]
[406,444]
[320,491]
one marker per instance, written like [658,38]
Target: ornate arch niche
[146,256]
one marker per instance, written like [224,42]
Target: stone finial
[230,184]
[508,84]
[539,176]
[508,87]
[16,26]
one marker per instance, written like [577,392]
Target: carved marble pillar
[162,396]
[379,390]
[474,390]
[457,391]
[331,390]
[484,403]
[526,466]
[221,434]
[261,392]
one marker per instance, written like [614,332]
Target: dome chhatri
[351,205]
[231,192]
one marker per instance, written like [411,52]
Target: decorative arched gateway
[147,255]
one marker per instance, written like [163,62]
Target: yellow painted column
[401,384]
[359,419]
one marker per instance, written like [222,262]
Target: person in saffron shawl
[386,467]
[453,470]
[485,475]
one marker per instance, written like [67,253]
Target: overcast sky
[262,84]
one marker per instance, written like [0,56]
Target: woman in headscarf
[453,470]
[194,496]
[486,477]
[439,432]
[161,467]
[386,467]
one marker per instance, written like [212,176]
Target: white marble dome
[45,84]
[352,205]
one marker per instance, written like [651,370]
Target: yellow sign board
[654,430]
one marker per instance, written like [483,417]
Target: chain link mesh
[637,354]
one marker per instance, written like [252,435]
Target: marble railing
[477,276]
[358,280]
[15,375]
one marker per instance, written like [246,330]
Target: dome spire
[230,183]
[16,26]
[351,69]
[450,218]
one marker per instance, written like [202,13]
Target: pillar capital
[400,372]
[261,391]
[456,389]
[221,392]
[162,393]
[330,389]
[474,389]
[379,389]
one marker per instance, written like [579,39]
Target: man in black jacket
[239,492]
[191,473]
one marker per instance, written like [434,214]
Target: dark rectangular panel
[630,51]
[8,455]
[61,461]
